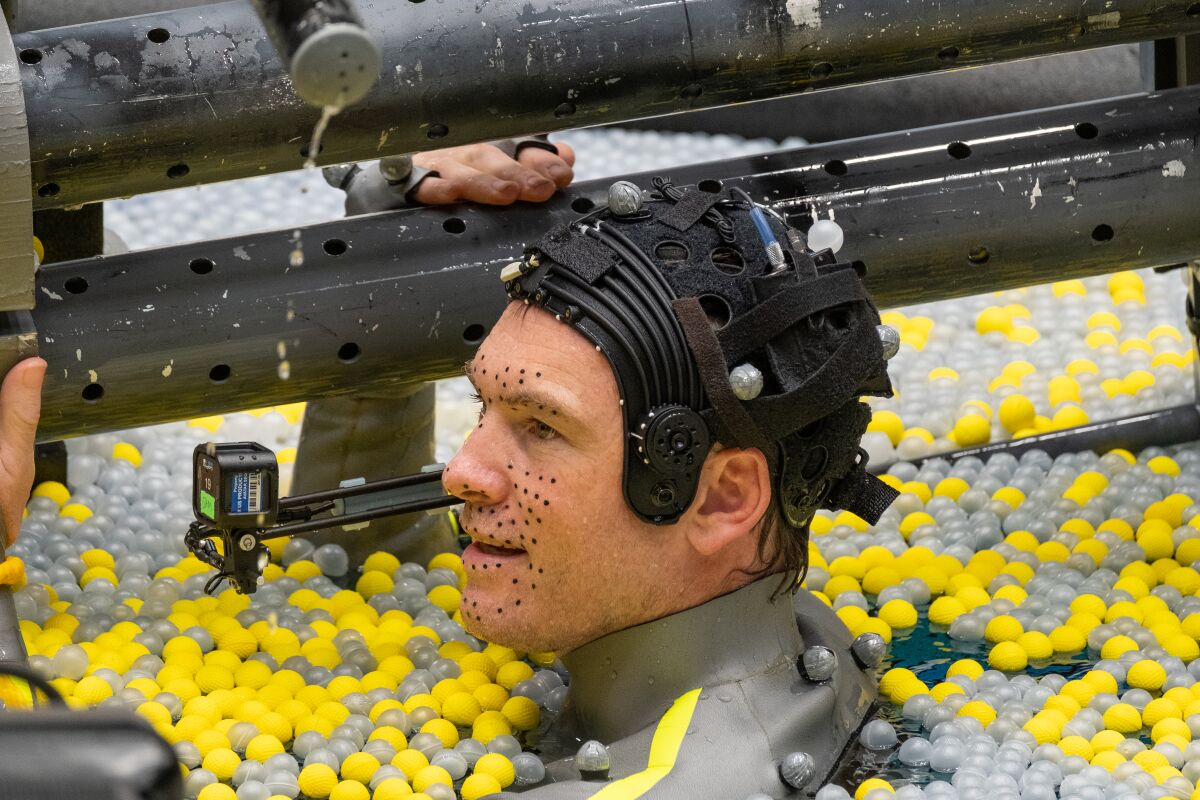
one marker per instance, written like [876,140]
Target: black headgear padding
[780,311]
[589,260]
[690,209]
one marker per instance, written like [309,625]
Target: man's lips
[484,554]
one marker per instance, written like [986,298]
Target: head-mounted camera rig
[721,324]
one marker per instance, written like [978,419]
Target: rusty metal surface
[407,295]
[128,106]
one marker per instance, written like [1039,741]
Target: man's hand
[20,408]
[481,173]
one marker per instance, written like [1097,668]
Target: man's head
[623,469]
[558,557]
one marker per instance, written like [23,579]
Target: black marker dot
[518,602]
[540,571]
[545,502]
[554,480]
[514,581]
[537,374]
[533,541]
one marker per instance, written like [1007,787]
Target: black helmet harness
[717,331]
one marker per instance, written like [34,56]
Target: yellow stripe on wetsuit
[664,749]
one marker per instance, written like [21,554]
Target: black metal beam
[127,106]
[405,296]
[1159,428]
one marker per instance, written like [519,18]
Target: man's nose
[477,472]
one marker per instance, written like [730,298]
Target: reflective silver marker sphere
[797,769]
[890,338]
[868,649]
[624,198]
[746,381]
[819,663]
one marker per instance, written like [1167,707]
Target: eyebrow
[526,397]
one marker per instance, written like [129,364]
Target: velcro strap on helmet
[862,494]
[583,256]
[779,312]
[689,209]
[736,427]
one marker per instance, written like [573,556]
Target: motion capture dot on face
[557,558]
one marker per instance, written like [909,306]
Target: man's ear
[733,494]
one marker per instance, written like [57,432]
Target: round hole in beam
[201,266]
[92,392]
[582,205]
[76,285]
[1102,233]
[454,225]
[349,353]
[978,254]
[836,167]
[473,334]
[1193,10]
[158,35]
[1086,130]
[48,189]
[564,109]
[438,131]
[822,69]
[710,185]
[304,150]
[948,55]
[959,150]
[31,55]
[334,247]
[220,373]
[176,171]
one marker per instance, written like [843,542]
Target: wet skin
[557,558]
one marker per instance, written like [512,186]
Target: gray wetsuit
[724,690]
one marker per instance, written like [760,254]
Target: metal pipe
[332,61]
[407,295]
[1159,428]
[127,106]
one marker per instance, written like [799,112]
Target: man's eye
[543,431]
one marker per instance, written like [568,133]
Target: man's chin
[509,627]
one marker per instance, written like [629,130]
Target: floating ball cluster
[329,682]
[1019,363]
[1065,590]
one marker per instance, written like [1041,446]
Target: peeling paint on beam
[113,110]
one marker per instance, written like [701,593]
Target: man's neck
[626,680]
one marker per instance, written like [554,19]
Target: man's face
[557,558]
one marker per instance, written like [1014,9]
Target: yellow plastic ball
[1017,413]
[1146,674]
[869,784]
[427,776]
[497,766]
[217,791]
[477,786]
[889,423]
[393,789]
[1003,628]
[971,430]
[360,767]
[522,713]
[898,614]
[317,780]
[1008,657]
[350,790]
[1122,718]
[222,762]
